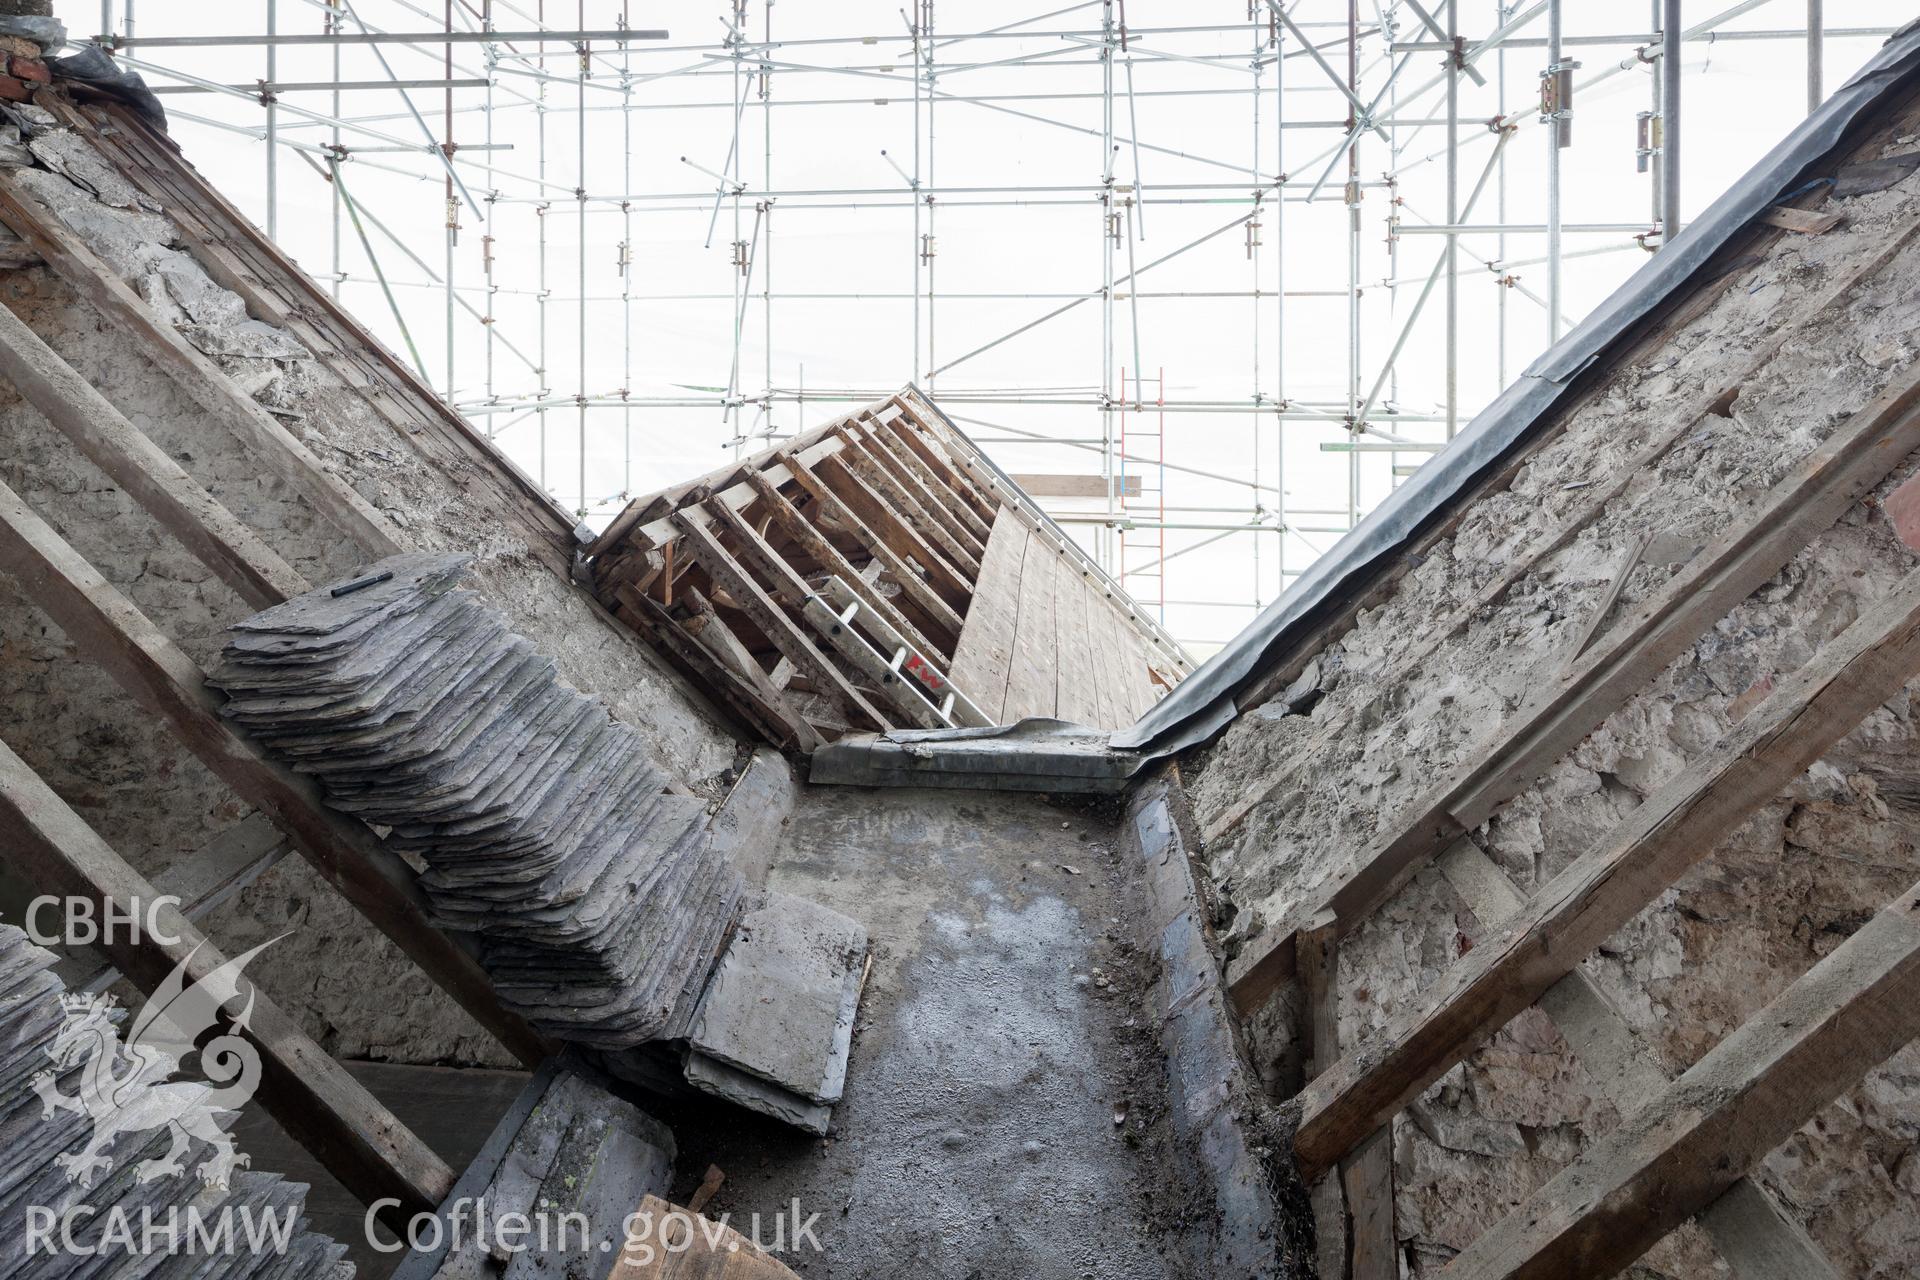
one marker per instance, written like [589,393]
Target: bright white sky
[1197,124]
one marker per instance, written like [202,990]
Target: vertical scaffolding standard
[1380,111]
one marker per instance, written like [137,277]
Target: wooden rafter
[888,474]
[858,462]
[319,1104]
[712,631]
[143,469]
[756,603]
[890,501]
[1749,1230]
[1687,1146]
[849,484]
[913,584]
[1808,712]
[933,492]
[778,721]
[908,429]
[119,639]
[215,393]
[1859,453]
[834,561]
[204,879]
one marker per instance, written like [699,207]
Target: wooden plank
[829,557]
[1073,484]
[196,375]
[1141,657]
[930,516]
[1801,221]
[1319,962]
[768,616]
[1121,666]
[779,723]
[937,445]
[860,461]
[895,533]
[1808,712]
[960,517]
[916,438]
[1127,671]
[359,1140]
[1032,678]
[1676,1155]
[1083,666]
[1103,655]
[172,497]
[1353,1204]
[1716,398]
[916,588]
[709,630]
[1107,651]
[1752,1234]
[984,656]
[1076,665]
[1806,501]
[1367,1179]
[202,881]
[1019,507]
[105,627]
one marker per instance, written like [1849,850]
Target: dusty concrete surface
[1390,721]
[978,1134]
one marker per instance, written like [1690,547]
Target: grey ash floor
[977,1137]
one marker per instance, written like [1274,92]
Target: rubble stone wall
[1377,732]
[352,990]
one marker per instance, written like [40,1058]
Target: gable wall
[147,796]
[1781,892]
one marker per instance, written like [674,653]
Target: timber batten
[856,576]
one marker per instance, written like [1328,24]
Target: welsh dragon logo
[124,1087]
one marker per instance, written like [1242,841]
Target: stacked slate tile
[109,1167]
[601,901]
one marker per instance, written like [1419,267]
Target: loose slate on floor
[601,901]
[50,1040]
[780,1006]
[566,1147]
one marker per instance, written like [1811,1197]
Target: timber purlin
[727,575]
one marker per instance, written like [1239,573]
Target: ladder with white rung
[908,679]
